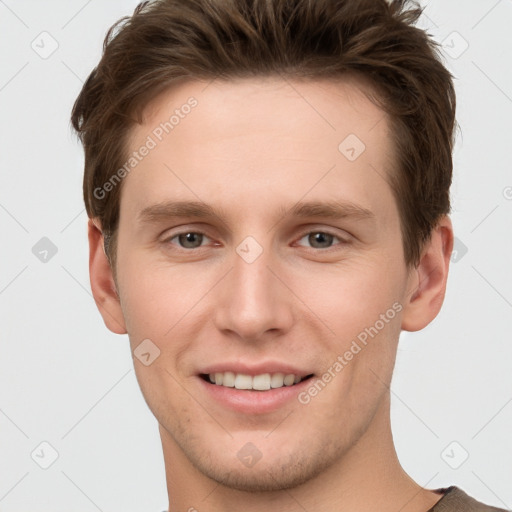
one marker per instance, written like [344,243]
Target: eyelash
[324,232]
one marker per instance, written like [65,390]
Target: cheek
[352,296]
[158,298]
[361,306]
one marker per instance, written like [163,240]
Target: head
[269,117]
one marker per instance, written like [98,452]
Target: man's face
[257,287]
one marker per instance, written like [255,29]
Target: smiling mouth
[263,382]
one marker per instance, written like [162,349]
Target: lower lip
[253,402]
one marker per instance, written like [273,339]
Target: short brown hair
[169,40]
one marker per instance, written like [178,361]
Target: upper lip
[255,368]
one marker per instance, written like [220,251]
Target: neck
[368,477]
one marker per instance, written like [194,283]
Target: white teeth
[243,381]
[277,380]
[228,379]
[288,380]
[262,382]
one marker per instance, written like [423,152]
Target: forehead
[261,135]
[330,105]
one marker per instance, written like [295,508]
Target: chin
[268,478]
[270,468]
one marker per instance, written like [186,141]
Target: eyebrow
[311,209]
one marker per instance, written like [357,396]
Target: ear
[102,281]
[427,282]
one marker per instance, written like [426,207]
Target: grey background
[67,381]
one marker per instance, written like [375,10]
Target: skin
[252,148]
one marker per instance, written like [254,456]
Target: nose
[252,301]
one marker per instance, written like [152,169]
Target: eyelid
[181,229]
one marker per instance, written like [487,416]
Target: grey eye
[319,239]
[190,240]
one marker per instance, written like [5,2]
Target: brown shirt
[456,500]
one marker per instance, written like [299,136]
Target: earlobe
[427,283]
[102,282]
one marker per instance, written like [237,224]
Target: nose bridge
[253,300]
[251,276]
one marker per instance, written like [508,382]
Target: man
[267,184]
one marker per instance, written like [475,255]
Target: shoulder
[456,500]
